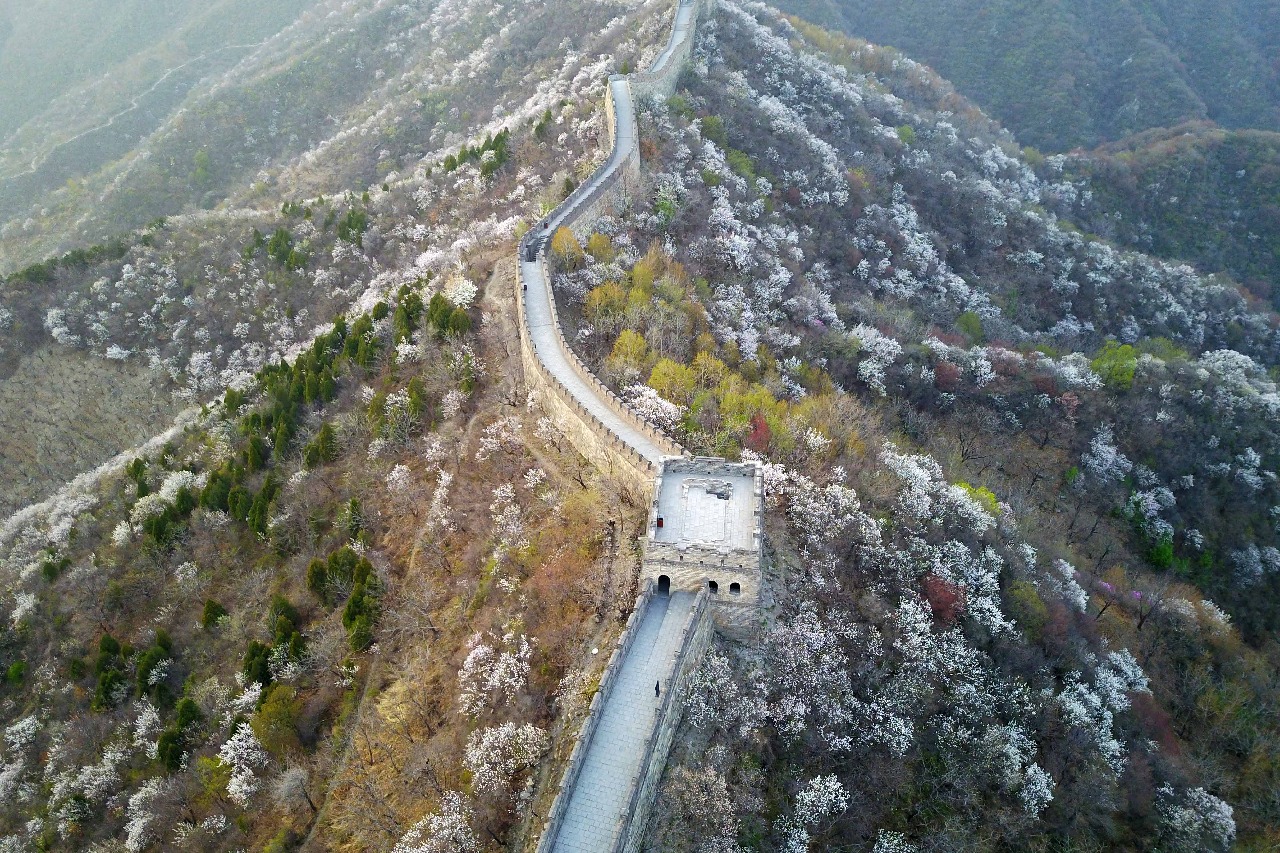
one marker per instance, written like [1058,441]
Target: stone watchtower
[705,533]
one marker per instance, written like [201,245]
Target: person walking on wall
[657,689]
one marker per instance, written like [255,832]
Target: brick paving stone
[611,766]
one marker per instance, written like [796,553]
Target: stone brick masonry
[702,552]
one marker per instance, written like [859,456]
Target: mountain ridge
[1019,482]
[1064,75]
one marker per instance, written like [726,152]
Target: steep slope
[196,301]
[62,413]
[350,95]
[1194,193]
[82,82]
[347,601]
[241,641]
[59,49]
[1014,469]
[1065,74]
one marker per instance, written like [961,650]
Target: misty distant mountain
[1065,74]
[84,82]
[100,52]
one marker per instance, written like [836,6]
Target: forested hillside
[1022,479]
[344,103]
[1026,502]
[348,599]
[1067,73]
[1194,193]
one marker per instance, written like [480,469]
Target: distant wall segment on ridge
[606,192]
[659,82]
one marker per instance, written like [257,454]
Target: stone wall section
[591,438]
[574,768]
[697,637]
[606,194]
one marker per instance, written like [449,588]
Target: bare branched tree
[290,789]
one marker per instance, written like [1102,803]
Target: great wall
[701,569]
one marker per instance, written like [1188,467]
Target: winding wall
[598,423]
[609,785]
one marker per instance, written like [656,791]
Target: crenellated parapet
[705,534]
[590,412]
[701,569]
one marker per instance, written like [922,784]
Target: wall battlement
[702,553]
[705,535]
[604,193]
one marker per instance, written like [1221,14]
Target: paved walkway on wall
[612,768]
[537,306]
[682,28]
[537,298]
[601,797]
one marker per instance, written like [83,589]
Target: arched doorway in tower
[664,585]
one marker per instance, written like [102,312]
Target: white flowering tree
[1195,820]
[244,756]
[494,670]
[821,800]
[447,830]
[496,755]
